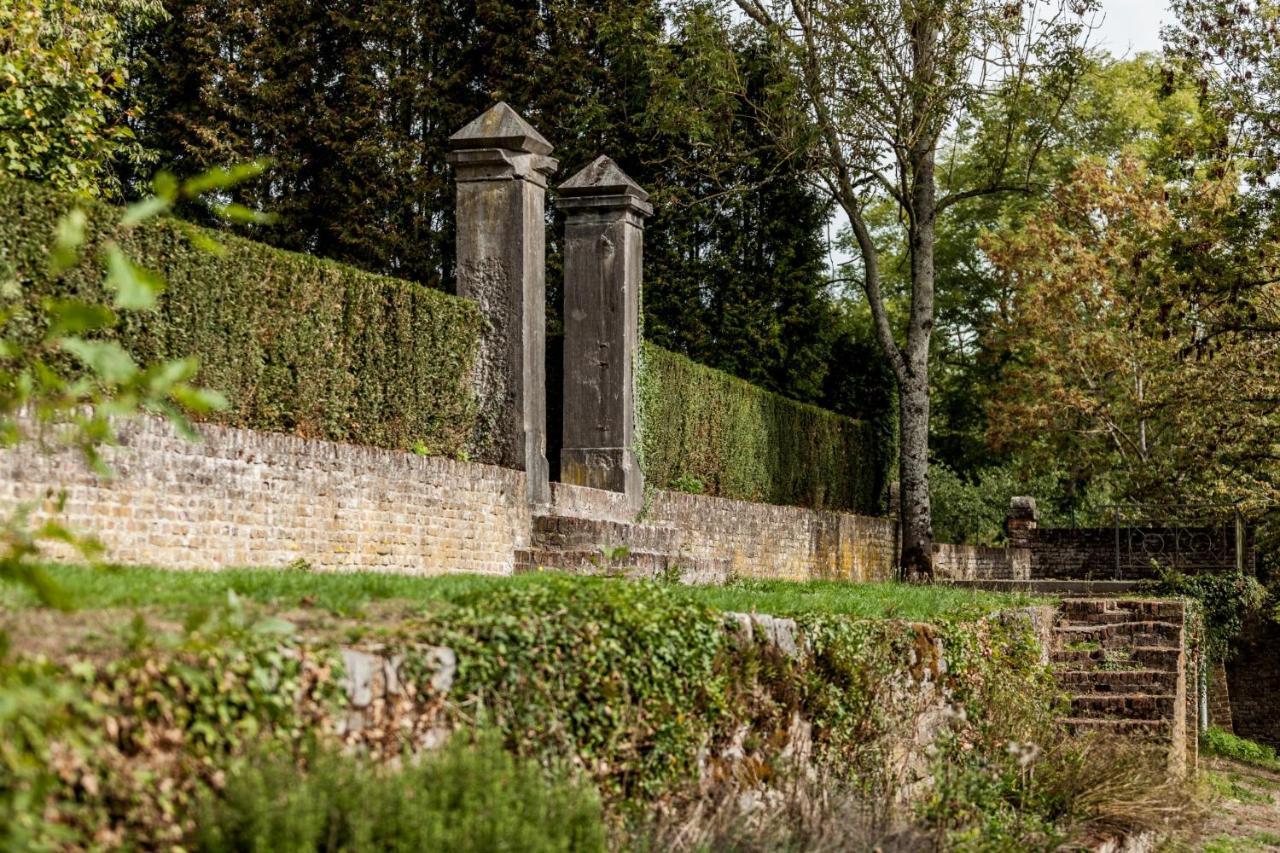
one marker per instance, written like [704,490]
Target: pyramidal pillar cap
[500,127]
[603,184]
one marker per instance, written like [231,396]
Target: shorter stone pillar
[1020,524]
[502,166]
[603,254]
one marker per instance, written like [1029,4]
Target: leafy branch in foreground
[67,386]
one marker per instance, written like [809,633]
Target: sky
[1131,26]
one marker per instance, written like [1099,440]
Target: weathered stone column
[604,238]
[1020,525]
[502,168]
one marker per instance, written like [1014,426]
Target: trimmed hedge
[704,430]
[297,344]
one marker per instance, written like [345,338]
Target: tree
[63,69]
[354,101]
[1125,355]
[882,84]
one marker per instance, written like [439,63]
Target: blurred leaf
[106,358]
[141,211]
[71,317]
[200,399]
[136,288]
[223,178]
[243,215]
[68,238]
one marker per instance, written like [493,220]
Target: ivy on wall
[703,430]
[297,344]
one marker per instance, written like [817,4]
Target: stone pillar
[604,237]
[1020,524]
[502,166]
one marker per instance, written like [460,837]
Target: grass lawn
[133,586]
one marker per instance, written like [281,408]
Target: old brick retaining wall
[976,562]
[246,498]
[1253,678]
[767,541]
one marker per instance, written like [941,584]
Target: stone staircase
[1123,664]
[618,548]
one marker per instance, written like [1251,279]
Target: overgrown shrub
[1226,602]
[470,796]
[296,344]
[1218,741]
[972,509]
[699,425]
[649,694]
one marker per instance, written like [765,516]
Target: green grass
[1233,786]
[1217,741]
[132,586]
[860,600]
[1257,842]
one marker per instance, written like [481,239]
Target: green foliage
[1227,601]
[295,344]
[643,686]
[1216,741]
[625,678]
[64,67]
[972,509]
[743,442]
[87,743]
[468,797]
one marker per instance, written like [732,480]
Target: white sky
[1131,26]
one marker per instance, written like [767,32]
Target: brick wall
[1091,552]
[245,498]
[768,541]
[975,562]
[1253,679]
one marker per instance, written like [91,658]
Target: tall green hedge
[297,344]
[704,430]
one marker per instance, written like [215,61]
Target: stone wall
[246,498]
[974,562]
[766,541]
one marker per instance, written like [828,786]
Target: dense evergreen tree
[354,101]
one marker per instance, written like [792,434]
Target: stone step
[571,533]
[1145,729]
[1163,658]
[1114,634]
[1118,682]
[1138,706]
[1137,609]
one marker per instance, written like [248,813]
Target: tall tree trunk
[922,208]
[915,518]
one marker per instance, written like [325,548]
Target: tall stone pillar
[604,238]
[502,166]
